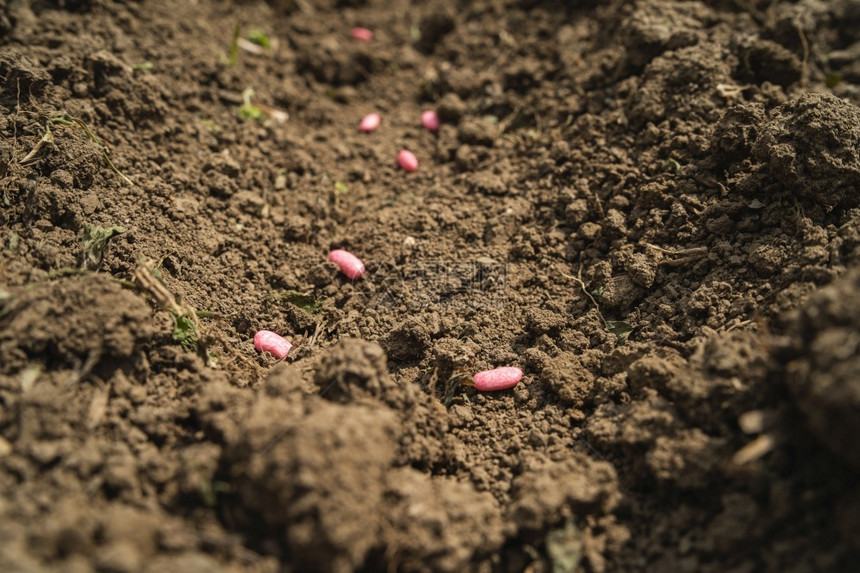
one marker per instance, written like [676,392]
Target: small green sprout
[260,38]
[96,241]
[185,331]
[234,46]
[671,165]
[415,32]
[209,491]
[621,329]
[142,67]
[248,110]
[833,79]
[210,125]
[340,188]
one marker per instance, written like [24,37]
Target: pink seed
[369,122]
[276,345]
[497,379]
[430,120]
[407,160]
[349,264]
[361,34]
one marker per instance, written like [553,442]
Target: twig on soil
[317,331]
[739,324]
[686,255]
[758,422]
[756,449]
[98,406]
[48,137]
[731,92]
[579,281]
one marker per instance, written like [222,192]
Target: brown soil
[651,207]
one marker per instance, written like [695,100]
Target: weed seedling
[186,329]
[96,241]
[210,490]
[234,46]
[259,37]
[248,110]
[671,165]
[210,125]
[142,67]
[340,191]
[260,112]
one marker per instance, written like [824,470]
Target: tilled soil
[650,207]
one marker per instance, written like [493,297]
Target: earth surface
[650,207]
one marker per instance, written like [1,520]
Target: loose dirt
[650,207]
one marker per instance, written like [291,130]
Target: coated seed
[274,344]
[361,34]
[407,160]
[497,379]
[349,264]
[369,122]
[430,120]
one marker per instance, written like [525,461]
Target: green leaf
[185,332]
[250,111]
[210,125]
[621,329]
[96,240]
[260,38]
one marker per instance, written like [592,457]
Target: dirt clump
[441,513]
[810,145]
[824,373]
[88,317]
[319,477]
